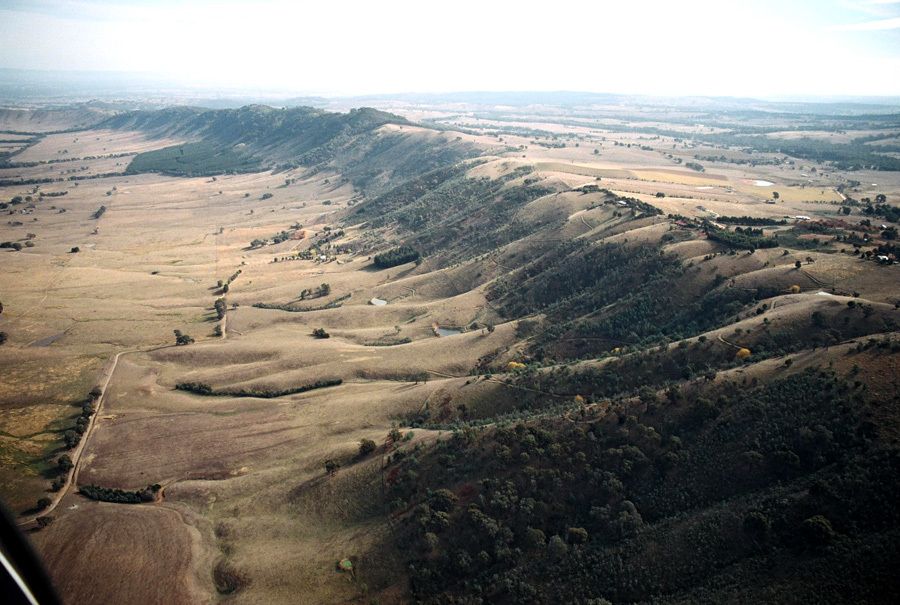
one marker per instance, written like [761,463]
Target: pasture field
[245,511]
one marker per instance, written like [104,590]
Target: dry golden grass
[244,482]
[67,146]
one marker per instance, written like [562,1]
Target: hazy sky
[721,47]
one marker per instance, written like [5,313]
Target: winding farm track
[77,453]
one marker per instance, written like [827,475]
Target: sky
[754,48]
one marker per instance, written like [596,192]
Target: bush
[366,447]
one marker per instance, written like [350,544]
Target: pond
[447,331]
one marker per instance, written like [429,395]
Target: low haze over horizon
[756,49]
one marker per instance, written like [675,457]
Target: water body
[448,331]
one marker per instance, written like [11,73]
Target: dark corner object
[22,577]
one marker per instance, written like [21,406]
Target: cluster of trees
[756,161]
[99,212]
[182,339]
[321,290]
[72,437]
[742,239]
[750,220]
[559,511]
[198,388]
[397,256]
[202,388]
[883,210]
[332,304]
[224,284]
[194,159]
[119,496]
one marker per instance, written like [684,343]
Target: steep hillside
[473,366]
[685,407]
[258,137]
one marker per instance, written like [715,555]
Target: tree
[71,438]
[534,538]
[64,463]
[43,521]
[757,525]
[320,333]
[558,547]
[75,250]
[366,447]
[182,339]
[44,503]
[775,195]
[798,264]
[331,467]
[324,290]
[220,307]
[816,531]
[442,500]
[431,541]
[395,435]
[577,535]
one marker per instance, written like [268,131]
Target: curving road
[77,453]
